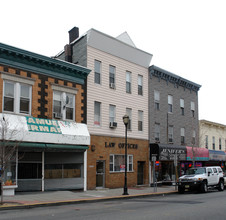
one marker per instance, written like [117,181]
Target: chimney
[68,53]
[73,34]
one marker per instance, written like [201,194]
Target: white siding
[118,97]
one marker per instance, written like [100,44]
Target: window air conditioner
[57,115]
[112,85]
[113,124]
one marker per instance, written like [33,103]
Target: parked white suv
[201,179]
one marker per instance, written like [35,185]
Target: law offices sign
[30,129]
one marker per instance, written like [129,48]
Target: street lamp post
[125,121]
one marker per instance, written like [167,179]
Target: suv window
[220,170]
[209,170]
[214,170]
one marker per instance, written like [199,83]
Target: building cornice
[22,59]
[172,78]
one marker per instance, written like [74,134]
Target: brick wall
[42,93]
[101,152]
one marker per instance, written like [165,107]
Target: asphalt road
[211,205]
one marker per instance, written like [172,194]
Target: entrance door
[100,174]
[140,173]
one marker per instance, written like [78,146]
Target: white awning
[38,130]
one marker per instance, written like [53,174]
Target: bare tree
[8,151]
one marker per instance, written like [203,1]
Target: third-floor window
[128,81]
[140,85]
[97,72]
[112,77]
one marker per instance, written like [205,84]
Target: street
[211,205]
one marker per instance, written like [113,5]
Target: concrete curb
[80,201]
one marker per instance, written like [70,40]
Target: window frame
[129,113]
[97,72]
[17,88]
[98,122]
[157,132]
[140,120]
[128,82]
[170,134]
[182,106]
[112,113]
[157,100]
[170,104]
[112,163]
[140,85]
[182,134]
[112,76]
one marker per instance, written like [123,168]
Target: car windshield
[196,171]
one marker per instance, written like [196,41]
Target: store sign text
[121,145]
[43,125]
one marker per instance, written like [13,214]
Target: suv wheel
[204,187]
[221,185]
[180,189]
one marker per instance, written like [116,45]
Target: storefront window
[29,170]
[117,163]
[59,171]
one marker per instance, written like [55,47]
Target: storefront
[106,162]
[196,157]
[216,158]
[167,159]
[50,155]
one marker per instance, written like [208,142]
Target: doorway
[100,174]
[140,173]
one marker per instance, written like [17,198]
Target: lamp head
[125,119]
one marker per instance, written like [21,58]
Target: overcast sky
[187,38]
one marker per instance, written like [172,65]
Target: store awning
[168,152]
[37,131]
[217,155]
[197,153]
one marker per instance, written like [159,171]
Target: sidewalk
[38,199]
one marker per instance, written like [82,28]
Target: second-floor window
[170,103]
[128,81]
[182,106]
[206,142]
[219,143]
[140,120]
[97,113]
[63,105]
[170,134]
[97,72]
[157,100]
[182,134]
[112,113]
[112,77]
[140,85]
[157,132]
[17,97]
[213,142]
[193,137]
[129,113]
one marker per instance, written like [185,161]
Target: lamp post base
[125,192]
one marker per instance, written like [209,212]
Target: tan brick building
[43,99]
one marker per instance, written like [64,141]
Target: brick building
[43,100]
[173,118]
[117,85]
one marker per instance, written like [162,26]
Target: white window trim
[128,156]
[16,96]
[16,78]
[65,89]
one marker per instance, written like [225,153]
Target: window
[213,139]
[128,82]
[193,136]
[193,109]
[206,142]
[157,132]
[140,120]
[112,77]
[112,113]
[182,134]
[63,105]
[17,97]
[140,85]
[97,71]
[157,100]
[129,113]
[97,113]
[219,143]
[170,134]
[170,103]
[117,163]
[182,106]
